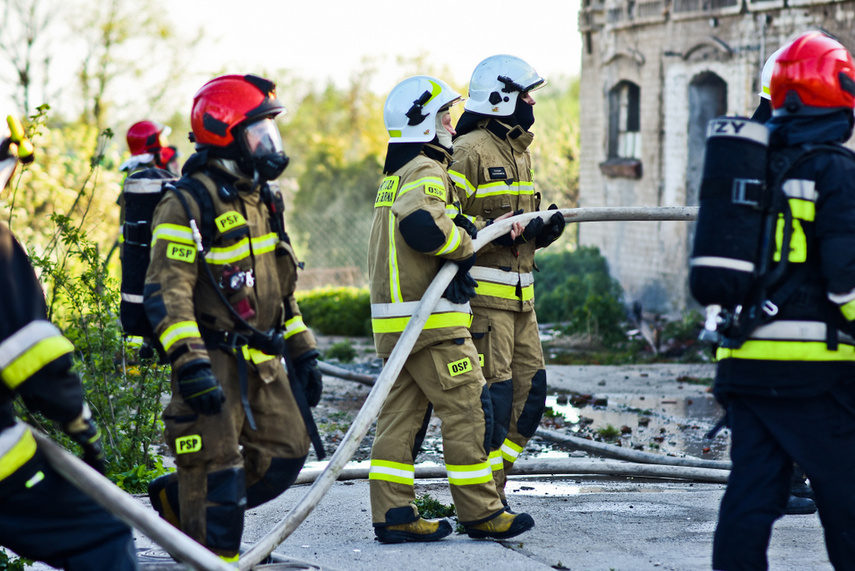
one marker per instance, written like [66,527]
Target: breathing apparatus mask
[261,154]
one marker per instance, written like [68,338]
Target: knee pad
[278,478]
[420,435]
[534,406]
[502,397]
[227,491]
[163,493]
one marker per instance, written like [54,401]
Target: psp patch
[181,252]
[188,444]
[464,365]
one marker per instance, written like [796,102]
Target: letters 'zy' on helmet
[234,115]
[412,106]
[147,137]
[497,82]
[815,74]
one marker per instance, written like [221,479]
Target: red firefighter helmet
[228,102]
[147,137]
[813,74]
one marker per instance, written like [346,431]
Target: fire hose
[182,547]
[395,363]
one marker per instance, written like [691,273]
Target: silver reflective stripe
[727,263]
[133,298]
[842,298]
[406,309]
[495,276]
[11,436]
[802,189]
[143,185]
[24,338]
[797,331]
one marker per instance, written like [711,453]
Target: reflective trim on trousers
[395,472]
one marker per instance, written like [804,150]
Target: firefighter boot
[418,530]
[797,505]
[503,526]
[163,493]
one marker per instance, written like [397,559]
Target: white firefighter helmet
[497,83]
[766,75]
[412,106]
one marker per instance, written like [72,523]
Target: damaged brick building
[654,72]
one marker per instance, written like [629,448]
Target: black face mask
[263,157]
[524,113]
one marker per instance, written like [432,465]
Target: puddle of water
[670,425]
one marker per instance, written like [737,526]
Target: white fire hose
[185,549]
[371,408]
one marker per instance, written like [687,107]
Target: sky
[328,39]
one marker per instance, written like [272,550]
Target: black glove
[199,388]
[462,286]
[310,376]
[273,343]
[552,230]
[466,224]
[89,438]
[531,231]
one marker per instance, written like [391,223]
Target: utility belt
[250,346]
[247,347]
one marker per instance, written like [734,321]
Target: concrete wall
[662,47]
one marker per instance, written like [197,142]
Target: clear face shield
[262,144]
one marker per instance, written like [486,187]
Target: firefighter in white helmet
[412,236]
[492,170]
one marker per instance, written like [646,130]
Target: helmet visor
[262,138]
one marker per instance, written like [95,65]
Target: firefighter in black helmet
[63,527]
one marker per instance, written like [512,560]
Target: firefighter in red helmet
[789,389]
[219,294]
[147,141]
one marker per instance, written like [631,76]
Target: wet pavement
[583,522]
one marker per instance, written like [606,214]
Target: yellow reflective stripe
[510,451]
[294,325]
[468,474]
[37,477]
[174,233]
[435,321]
[496,461]
[803,209]
[178,331]
[848,310]
[787,351]
[452,243]
[264,244]
[229,254]
[255,355]
[394,277]
[33,359]
[18,455]
[452,211]
[502,187]
[460,180]
[230,559]
[504,291]
[419,182]
[389,471]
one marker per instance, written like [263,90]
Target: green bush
[576,290]
[343,352]
[337,311]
